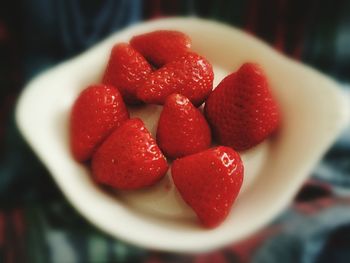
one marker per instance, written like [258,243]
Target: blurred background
[36,222]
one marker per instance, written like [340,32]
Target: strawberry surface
[129,158]
[161,46]
[182,129]
[127,69]
[241,110]
[190,75]
[209,182]
[98,110]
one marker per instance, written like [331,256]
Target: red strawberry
[241,110]
[98,110]
[209,182]
[129,158]
[190,75]
[161,46]
[182,129]
[126,69]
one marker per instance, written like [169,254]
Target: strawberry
[98,110]
[209,182]
[190,75]
[129,158]
[126,69]
[182,129]
[241,110]
[161,46]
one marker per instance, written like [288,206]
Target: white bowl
[314,112]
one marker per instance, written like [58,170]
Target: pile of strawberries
[160,68]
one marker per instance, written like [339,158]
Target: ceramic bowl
[314,112]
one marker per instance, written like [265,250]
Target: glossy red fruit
[182,129]
[241,110]
[209,182]
[161,46]
[129,158]
[190,75]
[98,110]
[127,69]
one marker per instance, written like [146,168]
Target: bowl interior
[313,109]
